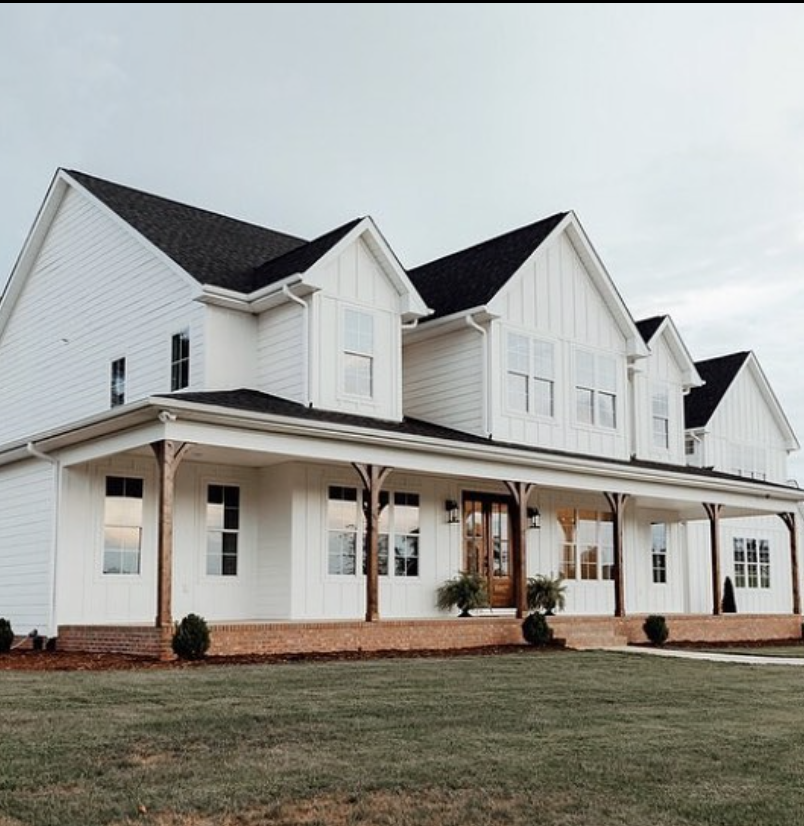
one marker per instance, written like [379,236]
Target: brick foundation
[425,634]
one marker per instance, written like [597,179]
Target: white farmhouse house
[301,440]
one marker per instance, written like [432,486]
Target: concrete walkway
[710,656]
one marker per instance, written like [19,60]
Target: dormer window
[358,353]
[660,409]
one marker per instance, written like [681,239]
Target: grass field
[560,738]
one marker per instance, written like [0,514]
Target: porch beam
[168,458]
[713,511]
[617,502]
[520,493]
[373,477]
[789,519]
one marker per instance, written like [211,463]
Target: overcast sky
[675,132]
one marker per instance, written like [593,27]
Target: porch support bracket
[617,502]
[789,519]
[520,493]
[373,477]
[168,458]
[713,512]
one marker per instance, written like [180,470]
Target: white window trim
[244,540]
[182,330]
[660,389]
[530,415]
[344,351]
[596,392]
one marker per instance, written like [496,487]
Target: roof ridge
[77,173]
[559,215]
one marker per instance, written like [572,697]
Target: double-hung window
[595,389]
[751,563]
[658,551]
[358,353]
[223,529]
[660,411]
[180,360]
[530,375]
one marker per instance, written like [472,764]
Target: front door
[487,544]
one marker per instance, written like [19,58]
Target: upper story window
[122,525]
[530,375]
[748,461]
[660,410]
[223,529]
[117,385]
[358,353]
[587,544]
[180,360]
[690,446]
[595,389]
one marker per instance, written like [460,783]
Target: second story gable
[735,423]
[546,351]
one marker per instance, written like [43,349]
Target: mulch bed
[28,660]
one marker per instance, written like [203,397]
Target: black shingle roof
[718,373]
[254,401]
[648,326]
[302,258]
[472,277]
[212,248]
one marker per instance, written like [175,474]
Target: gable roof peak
[718,374]
[648,326]
[471,277]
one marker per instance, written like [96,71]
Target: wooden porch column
[789,519]
[520,493]
[713,512]
[373,477]
[168,457]
[617,504]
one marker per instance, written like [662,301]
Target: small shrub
[191,638]
[656,630]
[728,605]
[536,631]
[6,636]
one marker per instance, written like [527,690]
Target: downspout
[286,291]
[484,374]
[56,464]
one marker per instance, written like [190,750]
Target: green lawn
[559,738]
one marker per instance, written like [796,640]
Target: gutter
[287,292]
[486,423]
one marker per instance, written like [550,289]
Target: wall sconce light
[534,518]
[453,514]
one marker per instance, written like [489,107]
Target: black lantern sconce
[534,518]
[453,514]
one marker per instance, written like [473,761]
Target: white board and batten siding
[743,418]
[554,299]
[659,370]
[27,511]
[95,294]
[354,280]
[443,380]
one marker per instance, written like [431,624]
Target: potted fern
[466,592]
[546,594]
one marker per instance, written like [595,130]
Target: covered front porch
[306,499]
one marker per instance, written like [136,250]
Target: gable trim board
[651,328]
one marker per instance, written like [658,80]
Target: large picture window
[122,525]
[358,353]
[595,389]
[587,544]
[398,527]
[530,375]
[223,529]
[751,563]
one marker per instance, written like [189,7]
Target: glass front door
[487,544]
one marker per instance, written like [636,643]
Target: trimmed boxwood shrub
[728,605]
[656,630]
[536,631]
[191,638]
[6,636]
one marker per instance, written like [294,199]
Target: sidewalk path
[711,656]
